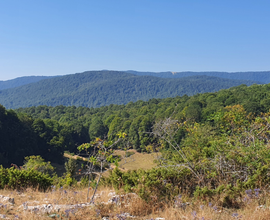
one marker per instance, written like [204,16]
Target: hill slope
[20,81]
[99,88]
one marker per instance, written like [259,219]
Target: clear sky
[57,37]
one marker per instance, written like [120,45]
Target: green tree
[37,163]
[97,128]
[71,166]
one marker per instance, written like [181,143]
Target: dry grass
[257,208]
[137,160]
[75,157]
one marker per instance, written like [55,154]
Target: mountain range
[262,76]
[100,88]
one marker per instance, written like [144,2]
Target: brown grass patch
[138,160]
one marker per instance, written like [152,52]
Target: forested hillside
[100,88]
[262,77]
[20,81]
[49,131]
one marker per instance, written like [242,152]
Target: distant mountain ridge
[259,76]
[20,81]
[100,88]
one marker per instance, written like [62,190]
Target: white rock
[158,218]
[126,214]
[111,194]
[260,207]
[7,199]
[49,208]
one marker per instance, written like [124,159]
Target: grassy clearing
[136,161]
[75,157]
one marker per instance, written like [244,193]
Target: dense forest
[101,88]
[49,131]
[21,136]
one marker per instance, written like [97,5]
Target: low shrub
[129,153]
[13,178]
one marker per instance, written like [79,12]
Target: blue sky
[57,37]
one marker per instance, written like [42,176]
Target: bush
[129,153]
[17,179]
[64,181]
[71,166]
[37,163]
[162,183]
[166,183]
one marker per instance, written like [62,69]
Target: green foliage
[77,125]
[21,136]
[163,183]
[220,159]
[100,151]
[37,163]
[64,181]
[18,179]
[129,153]
[71,166]
[84,181]
[100,154]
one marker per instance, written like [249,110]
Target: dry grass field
[71,204]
